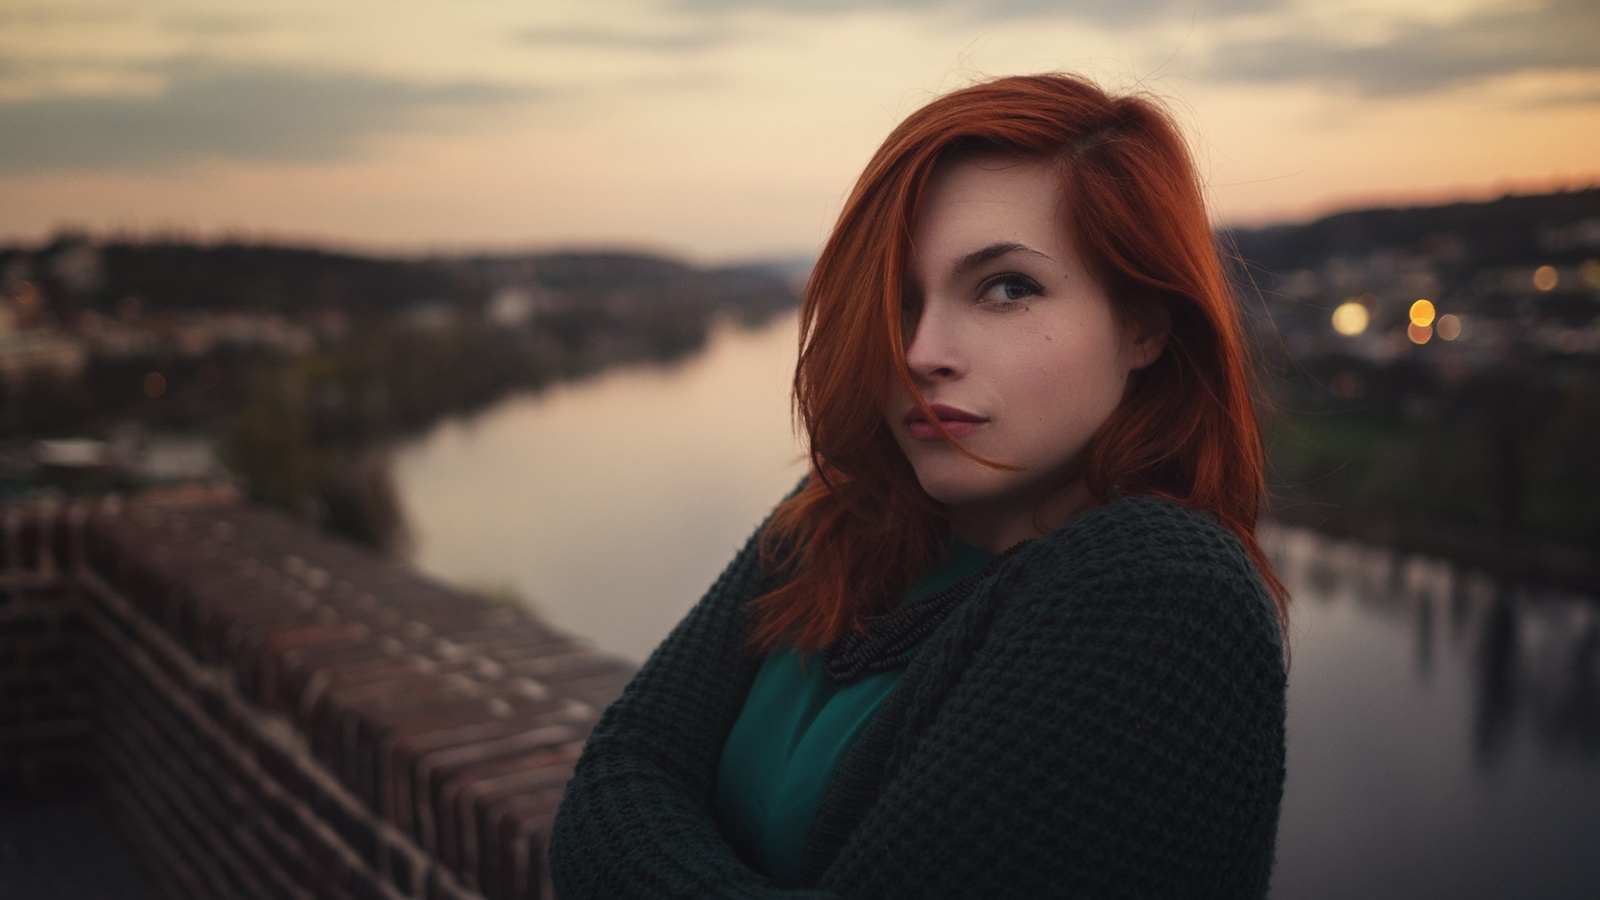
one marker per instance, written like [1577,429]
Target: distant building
[26,352]
[511,307]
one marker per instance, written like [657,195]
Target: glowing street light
[1351,318]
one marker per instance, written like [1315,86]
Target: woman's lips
[958,422]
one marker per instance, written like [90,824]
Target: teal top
[796,727]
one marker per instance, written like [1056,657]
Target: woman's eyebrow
[992,252]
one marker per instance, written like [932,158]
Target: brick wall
[273,713]
[45,698]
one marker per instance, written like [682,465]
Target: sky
[728,130]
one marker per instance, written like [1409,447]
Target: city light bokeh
[1422,313]
[1351,318]
[1546,278]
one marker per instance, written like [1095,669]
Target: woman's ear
[1151,328]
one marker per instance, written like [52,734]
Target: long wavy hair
[861,530]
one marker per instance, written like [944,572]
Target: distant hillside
[1559,228]
[76,274]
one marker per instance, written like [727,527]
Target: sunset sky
[723,130]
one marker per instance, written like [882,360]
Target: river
[1444,729]
[610,504]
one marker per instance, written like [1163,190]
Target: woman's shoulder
[1137,553]
[1145,534]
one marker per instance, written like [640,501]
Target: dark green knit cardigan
[1102,717]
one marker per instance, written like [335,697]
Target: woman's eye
[1009,289]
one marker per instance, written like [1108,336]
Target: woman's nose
[933,352]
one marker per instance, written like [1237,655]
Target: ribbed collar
[889,641]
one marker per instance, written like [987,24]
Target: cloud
[607,39]
[1113,13]
[1568,98]
[217,24]
[1559,35]
[261,114]
[48,14]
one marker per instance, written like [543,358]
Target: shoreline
[1510,556]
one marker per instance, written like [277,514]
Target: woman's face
[1014,347]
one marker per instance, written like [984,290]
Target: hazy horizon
[793,258]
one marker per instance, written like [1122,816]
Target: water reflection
[1444,729]
[1534,653]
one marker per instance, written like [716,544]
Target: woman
[1014,635]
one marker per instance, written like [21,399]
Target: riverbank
[1507,556]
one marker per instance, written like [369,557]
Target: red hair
[862,530]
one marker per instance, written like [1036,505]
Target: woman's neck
[997,527]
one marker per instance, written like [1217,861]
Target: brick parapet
[45,694]
[276,713]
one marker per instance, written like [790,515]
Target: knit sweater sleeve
[637,817]
[1117,730]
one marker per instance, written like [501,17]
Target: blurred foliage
[1512,451]
[199,390]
